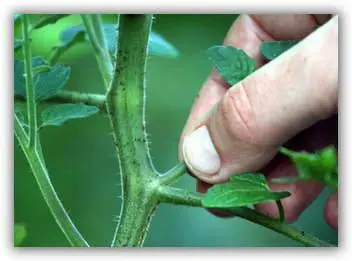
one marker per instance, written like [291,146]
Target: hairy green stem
[79,97]
[177,196]
[94,29]
[172,195]
[30,92]
[173,174]
[41,175]
[282,228]
[126,110]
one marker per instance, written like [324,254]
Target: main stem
[126,110]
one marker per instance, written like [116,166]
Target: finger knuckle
[237,113]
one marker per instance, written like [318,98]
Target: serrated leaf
[47,20]
[158,45]
[19,234]
[241,190]
[233,64]
[19,80]
[320,166]
[56,115]
[272,49]
[46,83]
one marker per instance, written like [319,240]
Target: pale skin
[291,101]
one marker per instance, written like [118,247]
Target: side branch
[94,28]
[178,196]
[65,96]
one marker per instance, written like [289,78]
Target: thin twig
[30,92]
[94,29]
[52,200]
[173,174]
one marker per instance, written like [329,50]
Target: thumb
[244,129]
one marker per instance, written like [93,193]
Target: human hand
[290,101]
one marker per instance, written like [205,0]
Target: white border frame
[7,252]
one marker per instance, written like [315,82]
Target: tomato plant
[121,50]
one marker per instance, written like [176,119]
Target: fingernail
[199,152]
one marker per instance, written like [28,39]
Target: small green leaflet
[241,190]
[321,166]
[47,80]
[56,115]
[272,49]
[157,44]
[19,234]
[232,63]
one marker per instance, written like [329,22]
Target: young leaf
[56,115]
[232,63]
[157,44]
[59,50]
[242,190]
[321,166]
[47,81]
[19,234]
[272,49]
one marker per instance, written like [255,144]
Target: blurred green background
[82,161]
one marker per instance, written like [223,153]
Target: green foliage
[17,44]
[272,49]
[233,64]
[241,190]
[19,234]
[17,18]
[157,44]
[79,37]
[41,68]
[56,115]
[21,112]
[47,20]
[321,166]
[47,81]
